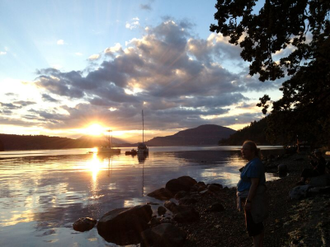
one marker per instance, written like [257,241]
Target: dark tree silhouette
[300,24]
[256,131]
[299,29]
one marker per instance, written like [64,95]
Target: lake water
[43,192]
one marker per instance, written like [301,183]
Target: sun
[94,129]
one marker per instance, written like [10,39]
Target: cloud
[56,66]
[112,51]
[185,82]
[244,105]
[94,57]
[145,6]
[2,53]
[9,106]
[11,94]
[16,121]
[61,83]
[23,103]
[8,111]
[16,104]
[60,42]
[134,23]
[46,97]
[245,118]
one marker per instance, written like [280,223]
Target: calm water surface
[44,191]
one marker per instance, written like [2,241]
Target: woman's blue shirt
[253,169]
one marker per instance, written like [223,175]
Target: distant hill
[204,135]
[33,142]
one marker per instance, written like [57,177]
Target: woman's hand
[252,193]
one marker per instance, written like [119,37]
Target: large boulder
[163,235]
[184,183]
[161,194]
[189,181]
[174,208]
[186,214]
[84,224]
[123,226]
[189,199]
[215,188]
[181,194]
[182,213]
[199,186]
[161,210]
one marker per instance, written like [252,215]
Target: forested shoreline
[33,142]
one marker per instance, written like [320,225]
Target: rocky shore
[304,222]
[194,214]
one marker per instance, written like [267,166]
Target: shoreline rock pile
[195,214]
[155,224]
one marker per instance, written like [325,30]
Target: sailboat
[108,149]
[142,147]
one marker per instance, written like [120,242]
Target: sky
[71,68]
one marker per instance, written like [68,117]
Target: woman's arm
[252,193]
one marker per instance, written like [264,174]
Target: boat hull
[108,151]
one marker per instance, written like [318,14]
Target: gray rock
[206,193]
[155,221]
[165,220]
[123,226]
[161,210]
[163,235]
[186,214]
[181,194]
[171,206]
[189,181]
[84,224]
[199,186]
[161,194]
[182,213]
[214,187]
[187,200]
[184,183]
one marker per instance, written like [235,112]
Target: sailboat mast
[109,131]
[142,127]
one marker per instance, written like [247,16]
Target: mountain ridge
[207,134]
[34,142]
[203,135]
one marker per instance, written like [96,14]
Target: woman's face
[247,152]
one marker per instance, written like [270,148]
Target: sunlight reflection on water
[44,192]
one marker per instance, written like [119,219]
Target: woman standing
[251,192]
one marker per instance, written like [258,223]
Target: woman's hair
[253,147]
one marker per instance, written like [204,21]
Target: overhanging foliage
[299,29]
